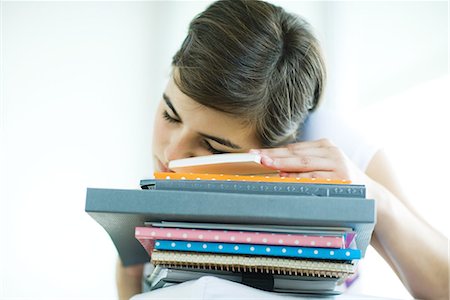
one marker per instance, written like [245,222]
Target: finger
[268,162]
[321,143]
[318,147]
[289,152]
[300,163]
[315,174]
[278,152]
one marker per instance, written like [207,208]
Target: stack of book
[278,234]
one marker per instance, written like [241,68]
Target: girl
[249,77]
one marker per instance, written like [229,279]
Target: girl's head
[249,62]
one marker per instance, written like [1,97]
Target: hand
[312,159]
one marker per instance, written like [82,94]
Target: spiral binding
[242,263]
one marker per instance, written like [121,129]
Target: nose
[181,145]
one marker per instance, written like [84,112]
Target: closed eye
[207,145]
[169,119]
[213,150]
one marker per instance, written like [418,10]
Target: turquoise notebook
[260,250]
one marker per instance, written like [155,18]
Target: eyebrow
[221,141]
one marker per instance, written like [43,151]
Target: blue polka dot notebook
[260,250]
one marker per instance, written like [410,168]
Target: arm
[128,280]
[414,250]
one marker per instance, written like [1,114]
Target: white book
[228,163]
[162,276]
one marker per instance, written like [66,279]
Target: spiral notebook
[245,263]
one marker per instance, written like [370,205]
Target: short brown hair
[253,60]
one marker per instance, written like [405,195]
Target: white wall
[78,90]
[79,85]
[379,48]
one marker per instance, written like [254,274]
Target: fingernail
[267,160]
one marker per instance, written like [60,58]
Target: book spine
[278,188]
[262,250]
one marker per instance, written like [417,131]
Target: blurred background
[79,87]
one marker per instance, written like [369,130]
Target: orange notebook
[198,176]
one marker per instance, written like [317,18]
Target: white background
[79,86]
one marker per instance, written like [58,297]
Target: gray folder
[120,211]
[257,187]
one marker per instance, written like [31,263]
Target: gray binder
[120,211]
[279,188]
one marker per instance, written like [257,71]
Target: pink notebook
[147,236]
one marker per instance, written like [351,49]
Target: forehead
[206,120]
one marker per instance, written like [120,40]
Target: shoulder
[343,131]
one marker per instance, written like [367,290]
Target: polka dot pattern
[231,236]
[194,176]
[261,250]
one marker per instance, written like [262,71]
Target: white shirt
[212,288]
